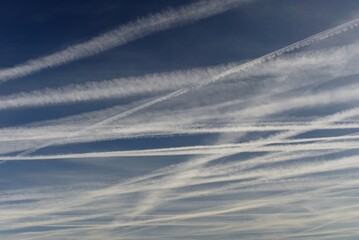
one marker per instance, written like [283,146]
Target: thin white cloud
[335,61]
[154,130]
[122,35]
[194,150]
[115,88]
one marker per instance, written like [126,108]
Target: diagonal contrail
[242,67]
[122,35]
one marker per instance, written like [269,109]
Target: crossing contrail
[242,67]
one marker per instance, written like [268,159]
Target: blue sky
[215,119]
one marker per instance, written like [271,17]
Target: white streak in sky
[115,88]
[336,59]
[154,130]
[108,120]
[243,67]
[122,35]
[338,95]
[196,150]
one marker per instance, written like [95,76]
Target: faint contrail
[269,174]
[295,46]
[155,197]
[121,35]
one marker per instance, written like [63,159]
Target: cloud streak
[122,35]
[335,59]
[242,67]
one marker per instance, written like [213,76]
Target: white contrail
[123,34]
[243,67]
[115,88]
[295,46]
[259,176]
[97,213]
[334,60]
[267,175]
[234,206]
[132,188]
[293,170]
[223,172]
[108,120]
[200,150]
[125,132]
[98,132]
[319,169]
[336,117]
[333,118]
[343,94]
[154,198]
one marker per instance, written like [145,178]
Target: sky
[169,119]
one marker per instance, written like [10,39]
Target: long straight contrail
[153,199]
[242,67]
[108,120]
[122,35]
[295,46]
[129,132]
[335,59]
[339,95]
[13,141]
[114,88]
[282,146]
